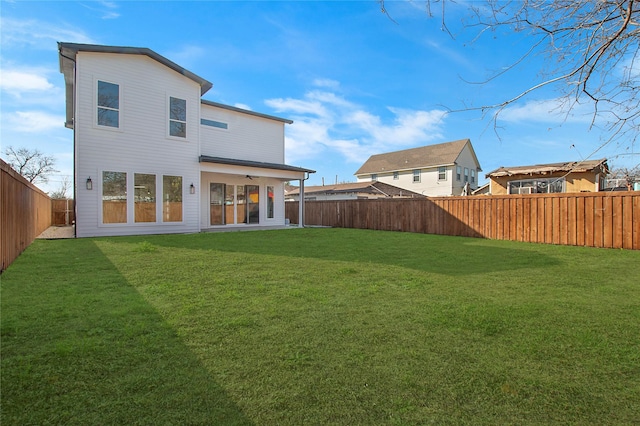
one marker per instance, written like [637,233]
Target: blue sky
[355,82]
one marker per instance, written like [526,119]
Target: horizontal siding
[428,185]
[141,144]
[247,138]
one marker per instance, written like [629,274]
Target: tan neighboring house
[434,170]
[575,176]
[350,191]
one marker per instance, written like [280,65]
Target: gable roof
[441,154]
[358,187]
[543,169]
[69,51]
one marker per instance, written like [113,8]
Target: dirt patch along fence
[25,212]
[602,219]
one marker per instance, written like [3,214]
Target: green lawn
[319,326]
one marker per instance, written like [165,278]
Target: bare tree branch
[32,164]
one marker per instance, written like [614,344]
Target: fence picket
[583,219]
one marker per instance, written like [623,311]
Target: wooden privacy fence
[602,219]
[25,212]
[62,212]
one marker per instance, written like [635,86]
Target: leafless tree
[629,175]
[593,46]
[62,192]
[31,163]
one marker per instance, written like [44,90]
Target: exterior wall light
[89,184]
[192,189]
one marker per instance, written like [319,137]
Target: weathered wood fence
[25,212]
[602,219]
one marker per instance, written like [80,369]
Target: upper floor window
[214,123]
[396,175]
[374,177]
[108,104]
[442,173]
[177,117]
[458,173]
[473,176]
[416,175]
[466,175]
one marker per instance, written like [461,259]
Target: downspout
[75,163]
[301,204]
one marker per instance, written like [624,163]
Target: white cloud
[17,81]
[325,122]
[34,121]
[326,83]
[38,34]
[556,111]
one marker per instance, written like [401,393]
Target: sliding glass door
[234,204]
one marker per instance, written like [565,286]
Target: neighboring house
[574,176]
[152,157]
[351,191]
[482,190]
[433,170]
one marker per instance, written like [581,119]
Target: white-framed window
[108,104]
[144,197]
[473,176]
[458,173]
[114,197]
[536,186]
[374,177]
[177,117]
[122,191]
[396,175]
[416,176]
[172,198]
[214,123]
[442,173]
[466,175]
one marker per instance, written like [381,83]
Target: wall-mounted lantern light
[192,189]
[89,184]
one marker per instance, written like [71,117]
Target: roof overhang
[70,50]
[288,172]
[244,111]
[595,166]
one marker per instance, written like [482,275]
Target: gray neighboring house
[444,169]
[350,191]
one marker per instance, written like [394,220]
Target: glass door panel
[229,204]
[253,203]
[241,207]
[216,208]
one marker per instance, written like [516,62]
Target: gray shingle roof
[358,187]
[415,158]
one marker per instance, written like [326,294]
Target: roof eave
[70,50]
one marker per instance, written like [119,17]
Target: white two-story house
[153,157]
[444,169]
